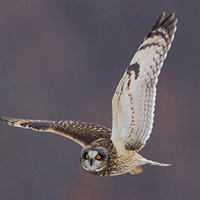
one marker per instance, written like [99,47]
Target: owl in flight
[113,152]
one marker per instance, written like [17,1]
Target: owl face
[94,159]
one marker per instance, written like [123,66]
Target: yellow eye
[98,157]
[87,156]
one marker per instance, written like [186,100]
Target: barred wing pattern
[81,132]
[133,103]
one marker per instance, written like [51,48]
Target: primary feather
[133,103]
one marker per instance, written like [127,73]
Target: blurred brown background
[62,59]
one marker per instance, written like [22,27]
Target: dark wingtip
[161,18]
[168,23]
[3,119]
[162,21]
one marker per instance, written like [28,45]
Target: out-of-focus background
[62,59]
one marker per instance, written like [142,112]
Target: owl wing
[133,103]
[81,132]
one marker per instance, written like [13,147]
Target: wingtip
[167,165]
[167,22]
[172,15]
[6,120]
[169,18]
[161,18]
[163,14]
[3,119]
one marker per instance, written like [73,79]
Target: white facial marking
[92,154]
[92,164]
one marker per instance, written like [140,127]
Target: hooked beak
[91,162]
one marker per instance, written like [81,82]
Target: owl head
[94,159]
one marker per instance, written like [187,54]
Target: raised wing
[133,103]
[81,132]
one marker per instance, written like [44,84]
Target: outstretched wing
[81,132]
[133,103]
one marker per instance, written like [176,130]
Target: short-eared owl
[114,152]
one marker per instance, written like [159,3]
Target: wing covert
[81,132]
[133,103]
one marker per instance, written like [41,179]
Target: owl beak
[91,162]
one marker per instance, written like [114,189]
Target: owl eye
[86,156]
[98,157]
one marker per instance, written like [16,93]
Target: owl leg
[136,170]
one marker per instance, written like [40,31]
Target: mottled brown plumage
[83,133]
[107,152]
